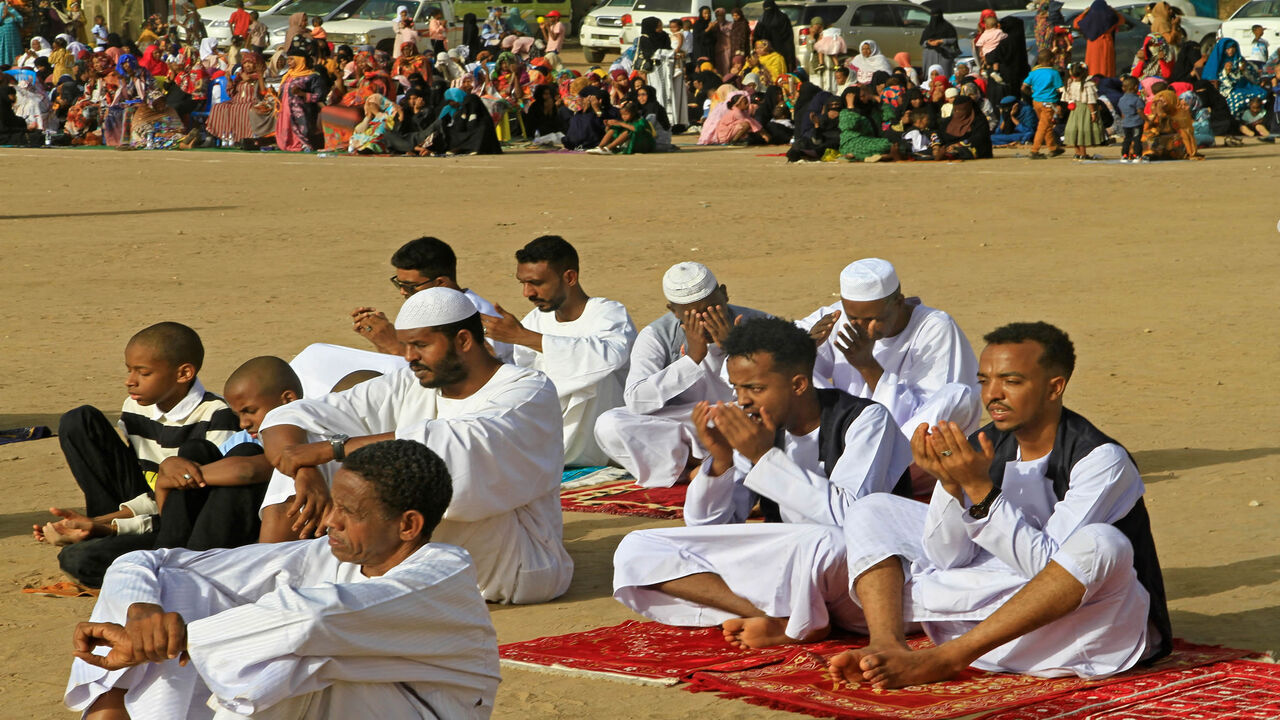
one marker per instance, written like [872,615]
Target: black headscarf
[1098,19]
[471,34]
[1011,52]
[1188,55]
[703,40]
[652,39]
[774,26]
[938,27]
[653,107]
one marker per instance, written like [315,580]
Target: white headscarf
[869,65]
[928,76]
[208,46]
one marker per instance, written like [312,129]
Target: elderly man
[374,620]
[676,363]
[497,427]
[581,342]
[1035,553]
[907,356]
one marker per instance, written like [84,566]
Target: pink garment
[718,128]
[522,46]
[729,122]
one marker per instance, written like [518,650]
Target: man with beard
[582,343]
[496,426]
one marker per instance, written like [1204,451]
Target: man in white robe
[497,427]
[1035,553]
[807,456]
[909,357]
[676,363]
[582,343]
[374,621]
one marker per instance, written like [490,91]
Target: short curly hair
[1058,351]
[789,346]
[405,476]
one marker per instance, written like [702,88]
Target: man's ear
[287,397]
[411,525]
[570,277]
[464,341]
[186,372]
[1057,386]
[800,384]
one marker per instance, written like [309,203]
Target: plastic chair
[202,116]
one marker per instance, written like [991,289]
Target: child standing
[1083,128]
[99,32]
[1131,120]
[258,34]
[1044,84]
[1259,50]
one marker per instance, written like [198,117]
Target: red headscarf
[153,64]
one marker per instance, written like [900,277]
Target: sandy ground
[1164,275]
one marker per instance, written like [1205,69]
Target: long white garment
[502,447]
[652,436]
[960,570]
[501,350]
[919,363]
[667,80]
[587,360]
[320,366]
[788,569]
[287,627]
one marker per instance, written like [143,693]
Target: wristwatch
[979,511]
[339,445]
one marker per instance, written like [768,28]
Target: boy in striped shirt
[167,406]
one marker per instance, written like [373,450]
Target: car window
[1259,9]
[914,17]
[829,14]
[875,16]
[311,7]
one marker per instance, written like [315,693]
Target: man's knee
[275,524]
[1094,554]
[77,420]
[245,449]
[200,451]
[608,430]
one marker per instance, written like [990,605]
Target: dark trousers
[212,517]
[105,468]
[1132,146]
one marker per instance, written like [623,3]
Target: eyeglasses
[408,287]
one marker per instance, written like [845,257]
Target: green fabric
[642,139]
[857,136]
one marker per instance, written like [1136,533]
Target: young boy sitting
[167,406]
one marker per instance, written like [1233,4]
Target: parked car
[217,18]
[666,11]
[964,14]
[530,10]
[601,30]
[1239,26]
[1197,27]
[894,25]
[370,22]
[278,22]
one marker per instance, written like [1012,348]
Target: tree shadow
[108,213]
[1251,629]
[1192,582]
[1153,462]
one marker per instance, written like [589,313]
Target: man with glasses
[419,264]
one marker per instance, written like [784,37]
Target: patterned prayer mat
[795,679]
[1235,690]
[614,491]
[37,432]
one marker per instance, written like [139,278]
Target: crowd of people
[719,76]
[320,540]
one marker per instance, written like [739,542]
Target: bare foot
[762,632]
[847,666]
[900,668]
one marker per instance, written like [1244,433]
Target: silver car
[895,26]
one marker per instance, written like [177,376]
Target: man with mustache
[1035,553]
[496,426]
[582,343]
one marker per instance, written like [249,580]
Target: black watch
[338,443]
[979,511]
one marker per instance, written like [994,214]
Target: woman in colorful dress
[251,112]
[300,94]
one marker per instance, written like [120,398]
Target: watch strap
[980,510]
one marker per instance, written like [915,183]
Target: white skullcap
[688,282]
[434,307]
[867,280]
[402,9]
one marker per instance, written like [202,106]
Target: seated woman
[587,126]
[251,112]
[729,122]
[542,118]
[967,136]
[859,139]
[156,126]
[628,135]
[823,133]
[920,142]
[1017,122]
[374,134]
[1169,132]
[464,127]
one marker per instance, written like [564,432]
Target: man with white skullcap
[806,456]
[895,350]
[581,342]
[496,426]
[676,362]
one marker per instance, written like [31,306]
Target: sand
[1164,275]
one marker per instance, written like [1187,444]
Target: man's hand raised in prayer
[945,453]
[750,437]
[505,327]
[310,503]
[821,330]
[374,326]
[712,439]
[856,346]
[695,342]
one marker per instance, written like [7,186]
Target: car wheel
[593,55]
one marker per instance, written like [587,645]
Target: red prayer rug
[623,497]
[795,679]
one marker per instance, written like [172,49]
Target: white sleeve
[718,499]
[652,384]
[1105,485]
[946,540]
[824,364]
[369,408]
[875,455]
[940,355]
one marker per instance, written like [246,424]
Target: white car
[601,30]
[666,11]
[278,22]
[217,18]
[369,22]
[1239,26]
[1197,27]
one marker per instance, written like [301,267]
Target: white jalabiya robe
[790,569]
[502,447]
[652,436]
[320,366]
[960,570]
[288,631]
[587,360]
[930,371]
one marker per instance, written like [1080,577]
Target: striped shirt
[155,435]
